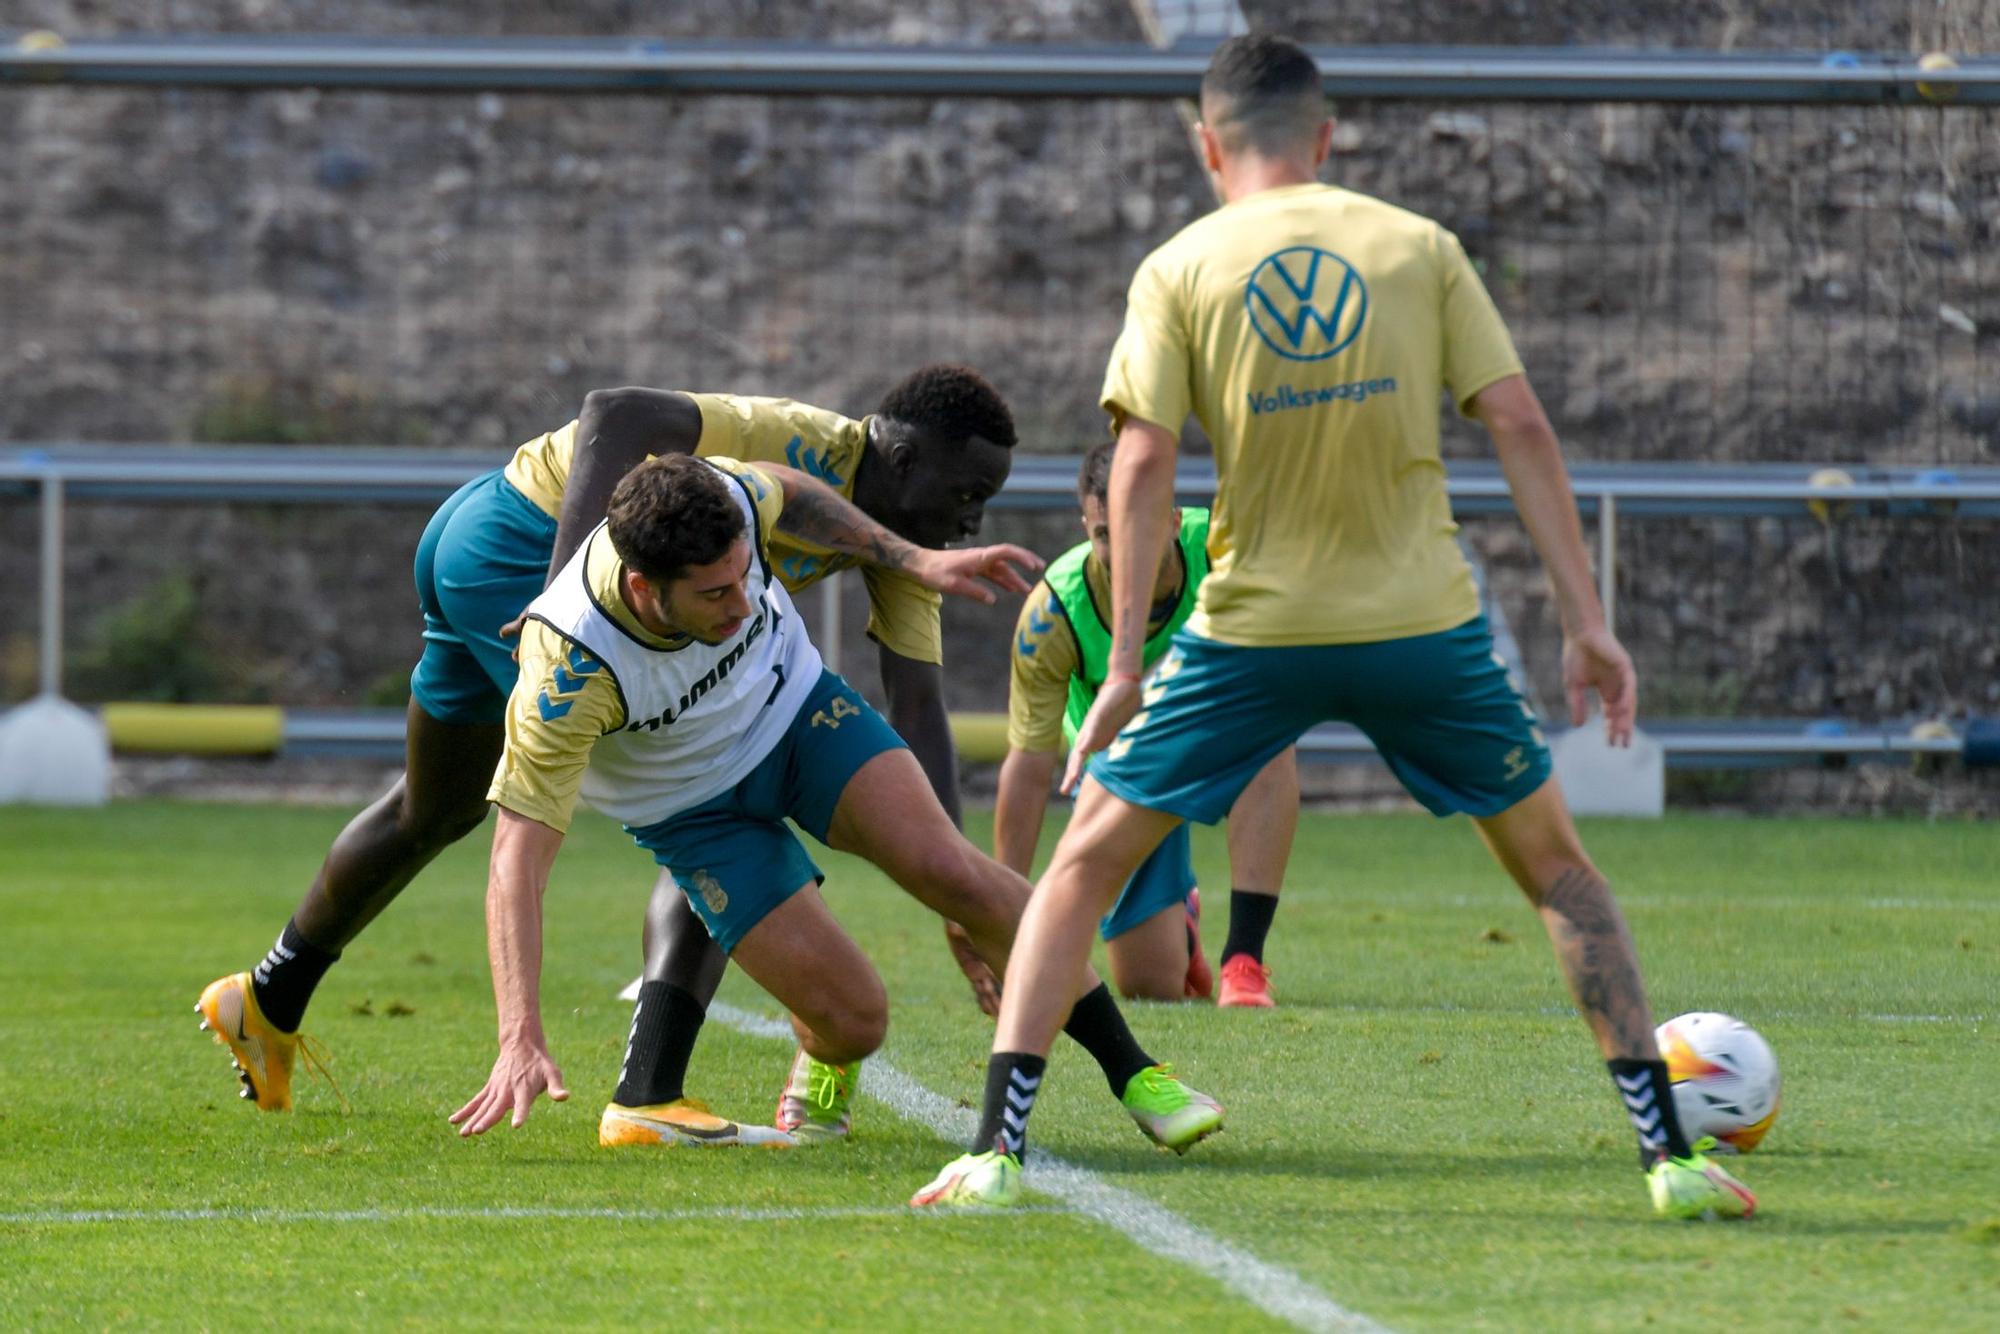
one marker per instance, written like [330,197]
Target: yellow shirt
[564,699]
[1045,657]
[903,615]
[1312,330]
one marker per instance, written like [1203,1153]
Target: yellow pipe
[202,729]
[259,729]
[980,737]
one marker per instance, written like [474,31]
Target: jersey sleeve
[1041,662]
[764,491]
[1151,373]
[564,700]
[1477,347]
[904,616]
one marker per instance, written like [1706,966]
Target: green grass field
[1422,1132]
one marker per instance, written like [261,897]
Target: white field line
[1500,899]
[722,1214]
[1272,1289]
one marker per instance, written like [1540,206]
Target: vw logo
[1306,303]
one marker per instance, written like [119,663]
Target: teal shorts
[732,855]
[1162,881]
[1439,708]
[483,558]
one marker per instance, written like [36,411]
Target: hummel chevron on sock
[284,981]
[1649,1100]
[1012,1080]
[665,1023]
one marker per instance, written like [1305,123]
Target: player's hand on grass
[966,571]
[1116,703]
[522,1072]
[985,987]
[1594,660]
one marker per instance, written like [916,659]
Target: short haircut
[1262,93]
[1093,480]
[673,512]
[952,403]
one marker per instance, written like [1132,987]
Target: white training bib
[699,717]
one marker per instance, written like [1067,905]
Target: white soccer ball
[1725,1079]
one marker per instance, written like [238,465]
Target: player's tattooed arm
[1596,954]
[815,512]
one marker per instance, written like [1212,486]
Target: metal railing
[661,68]
[1044,482]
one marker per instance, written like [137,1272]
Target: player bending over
[924,465]
[1061,650]
[1312,331]
[666,675]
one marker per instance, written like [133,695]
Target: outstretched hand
[966,571]
[985,987]
[1594,660]
[1116,702]
[522,1072]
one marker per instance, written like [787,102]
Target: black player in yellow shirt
[924,465]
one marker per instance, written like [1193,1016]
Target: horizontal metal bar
[379,733]
[797,68]
[323,475]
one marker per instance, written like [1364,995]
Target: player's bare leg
[1150,961]
[1106,840]
[1536,841]
[440,798]
[678,947]
[839,1011]
[802,956]
[890,815]
[1262,825]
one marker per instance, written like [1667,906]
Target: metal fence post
[829,622]
[52,582]
[1607,558]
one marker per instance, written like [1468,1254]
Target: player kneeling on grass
[666,675]
[1314,332]
[1062,647]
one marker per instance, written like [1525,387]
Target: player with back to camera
[1312,330]
[665,674]
[924,464]
[1061,648]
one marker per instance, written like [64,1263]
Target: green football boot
[982,1180]
[1171,1114]
[1697,1187]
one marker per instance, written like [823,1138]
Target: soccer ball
[1725,1079]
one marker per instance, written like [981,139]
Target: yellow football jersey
[903,615]
[1312,330]
[562,703]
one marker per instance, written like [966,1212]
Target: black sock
[284,982]
[1100,1030]
[1649,1101]
[1249,922]
[665,1023]
[1012,1079]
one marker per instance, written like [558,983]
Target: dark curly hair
[671,512]
[952,403]
[1262,92]
[1094,478]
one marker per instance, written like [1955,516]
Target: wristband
[1133,677]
